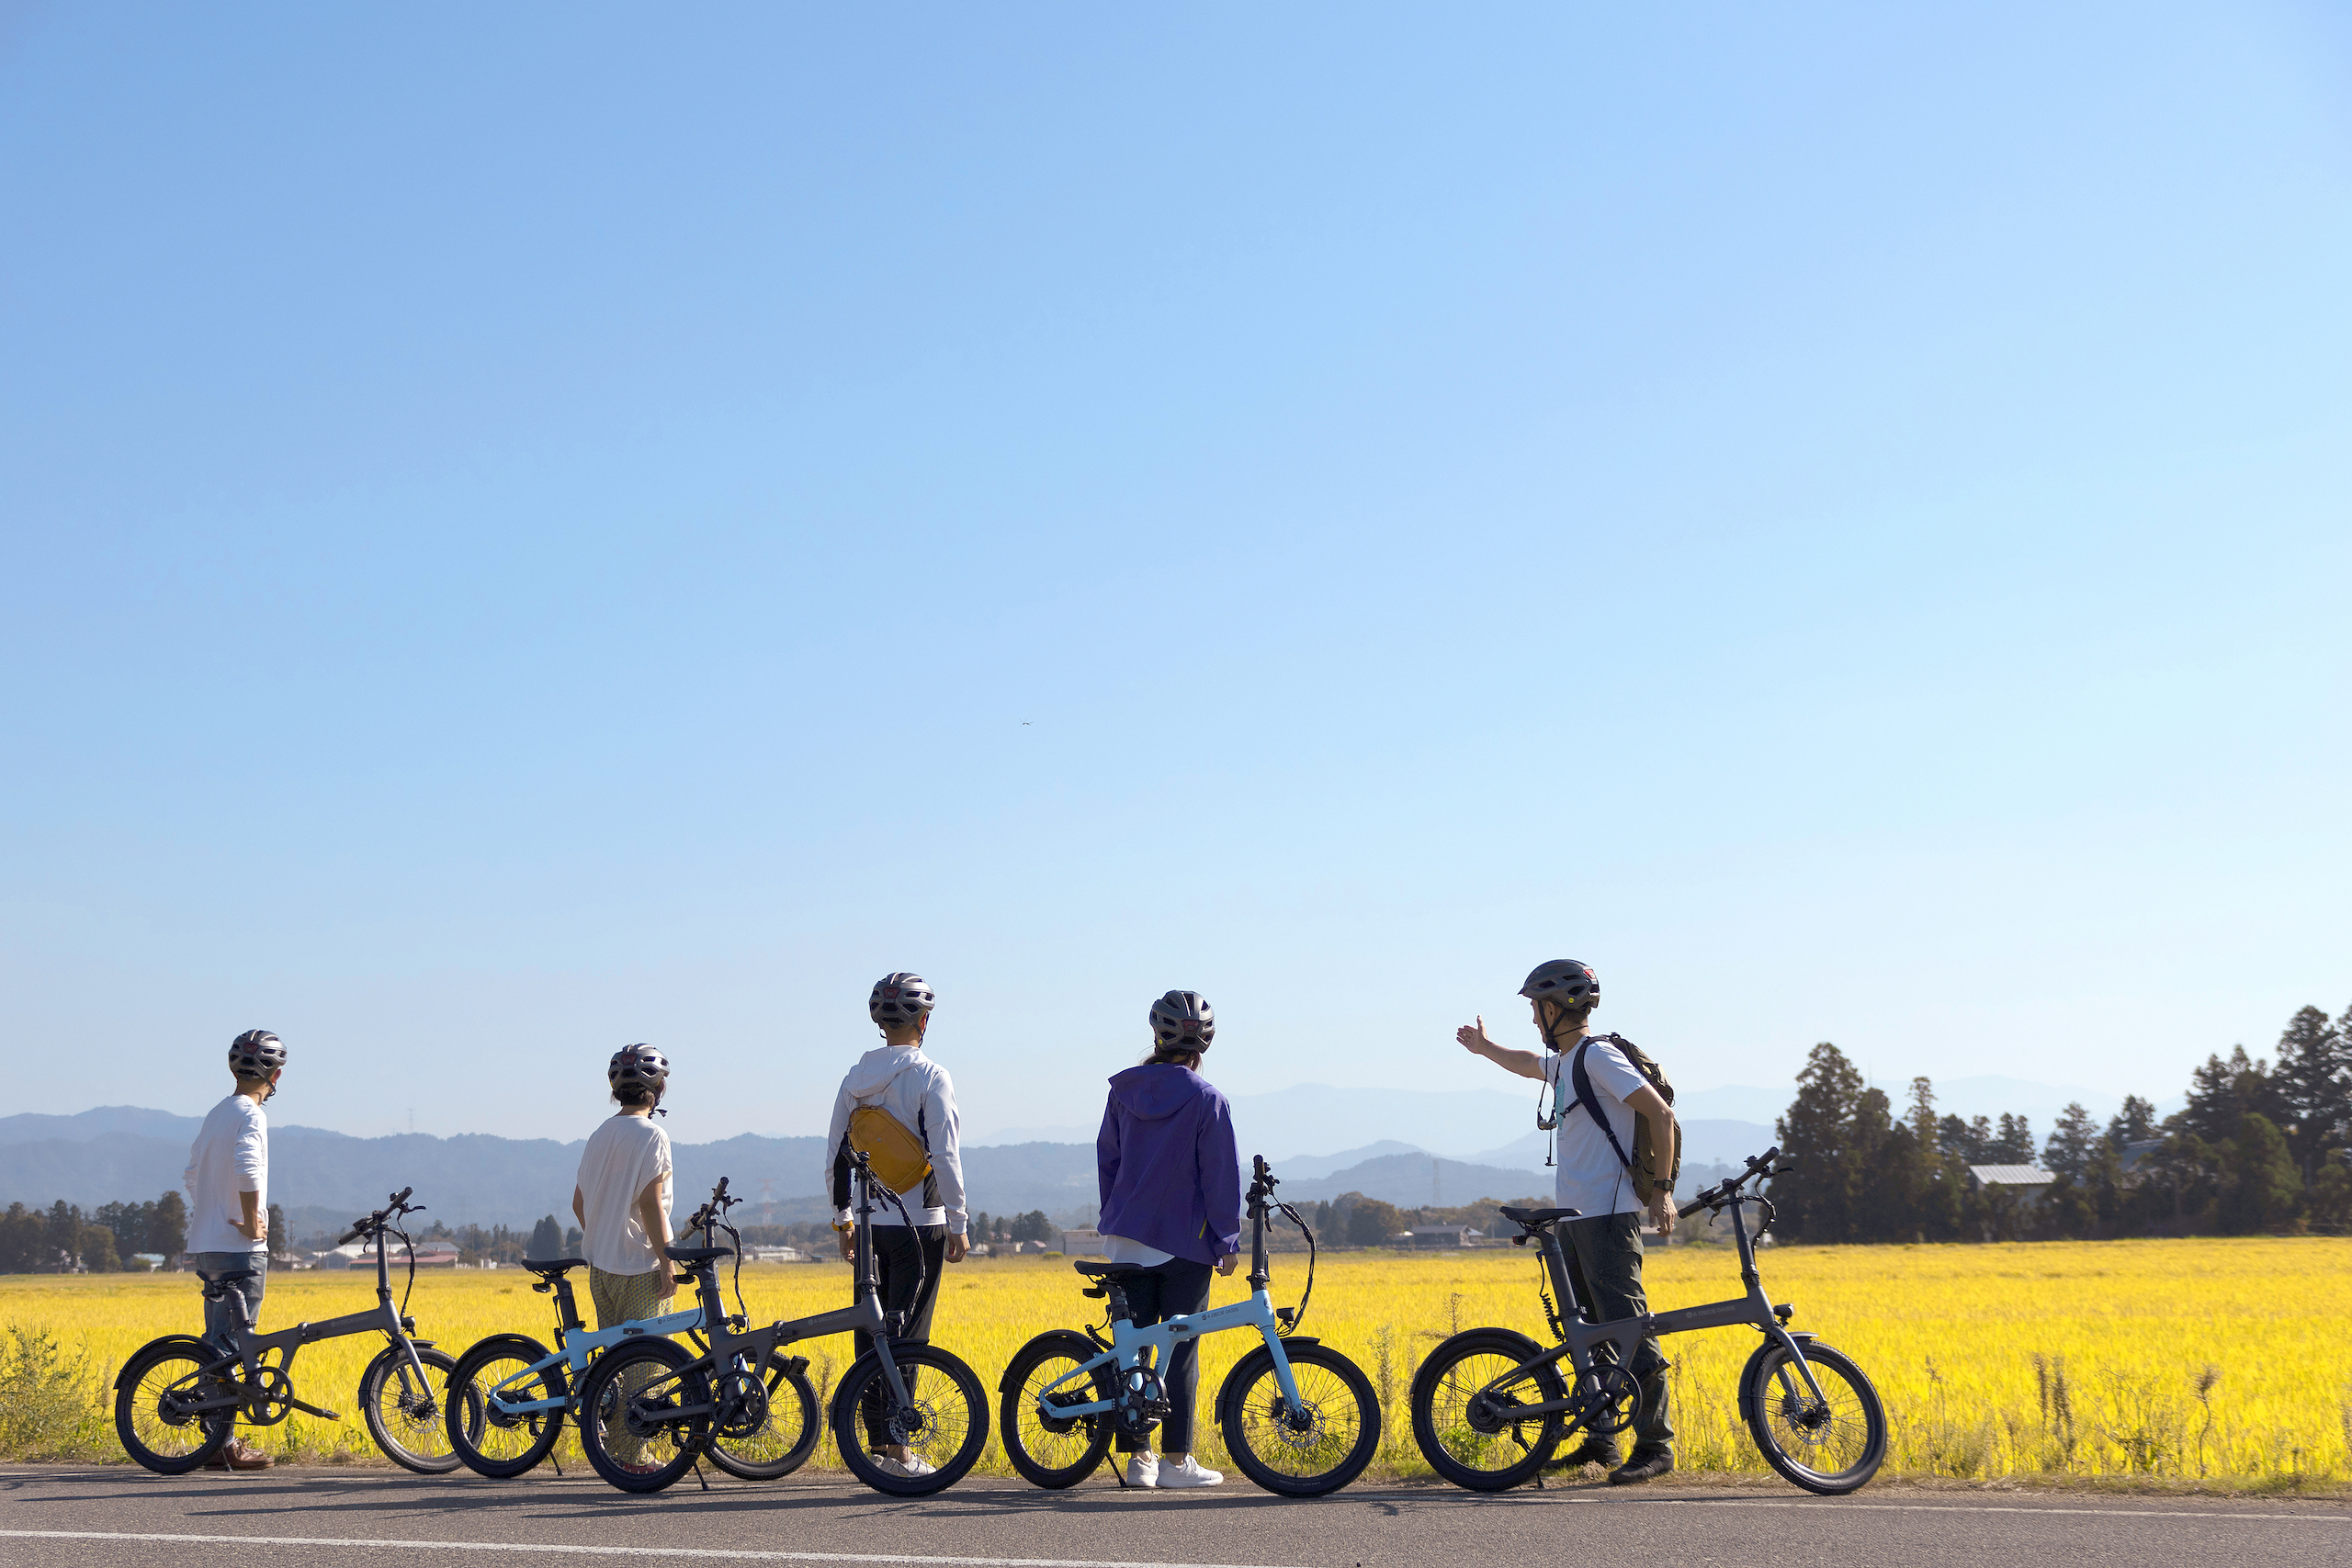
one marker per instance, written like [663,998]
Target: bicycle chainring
[1142,1403]
[269,1397]
[1608,1401]
[743,1405]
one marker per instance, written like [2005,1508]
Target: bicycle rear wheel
[154,1430]
[622,1408]
[1463,1404]
[785,1429]
[407,1421]
[490,1439]
[943,1428]
[1319,1446]
[1049,1450]
[1832,1445]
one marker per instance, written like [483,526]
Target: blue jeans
[219,1317]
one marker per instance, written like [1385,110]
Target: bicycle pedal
[308,1409]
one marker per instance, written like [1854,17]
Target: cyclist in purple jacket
[1171,1208]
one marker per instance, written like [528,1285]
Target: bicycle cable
[1299,1312]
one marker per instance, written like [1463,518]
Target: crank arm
[307,1408]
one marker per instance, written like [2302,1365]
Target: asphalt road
[116,1516]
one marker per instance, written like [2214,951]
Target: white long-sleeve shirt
[230,1157]
[915,1089]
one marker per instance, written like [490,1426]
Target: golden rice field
[2229,1360]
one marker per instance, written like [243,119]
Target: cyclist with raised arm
[897,1106]
[228,1221]
[1605,1245]
[1170,1183]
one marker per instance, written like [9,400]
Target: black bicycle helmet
[1184,1019]
[900,999]
[256,1054]
[638,1067]
[1563,980]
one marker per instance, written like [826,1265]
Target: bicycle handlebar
[1727,1190]
[369,1227]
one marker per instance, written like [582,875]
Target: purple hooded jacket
[1171,1178]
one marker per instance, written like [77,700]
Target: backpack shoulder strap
[1591,1102]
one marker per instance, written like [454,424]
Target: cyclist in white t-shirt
[1604,1247]
[623,1195]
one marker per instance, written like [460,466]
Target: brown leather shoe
[237,1454]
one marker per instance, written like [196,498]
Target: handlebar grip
[401,1196]
[352,1236]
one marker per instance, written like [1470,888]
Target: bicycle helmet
[1562,980]
[638,1067]
[1184,1019]
[256,1054]
[900,999]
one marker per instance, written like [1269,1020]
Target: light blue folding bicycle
[523,1390]
[1297,1417]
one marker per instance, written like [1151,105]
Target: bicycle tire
[779,1446]
[1444,1430]
[1029,1442]
[165,1444]
[1790,1427]
[499,1446]
[414,1433]
[950,1408]
[1338,1439]
[597,1409]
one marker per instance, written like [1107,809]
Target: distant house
[774,1255]
[429,1255]
[1423,1237]
[2026,1183]
[1085,1242]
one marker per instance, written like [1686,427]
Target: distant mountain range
[1394,1145]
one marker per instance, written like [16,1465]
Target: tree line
[2259,1148]
[63,1240]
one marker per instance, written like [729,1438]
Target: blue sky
[530,531]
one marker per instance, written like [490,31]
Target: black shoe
[1596,1450]
[1642,1467]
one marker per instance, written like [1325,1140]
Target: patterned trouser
[618,1299]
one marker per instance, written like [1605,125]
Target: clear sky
[532,528]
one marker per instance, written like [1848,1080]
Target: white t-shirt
[231,1156]
[1124,1249]
[622,1156]
[1591,1178]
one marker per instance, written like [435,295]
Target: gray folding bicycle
[1489,1406]
[177,1399]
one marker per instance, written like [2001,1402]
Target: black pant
[894,1272]
[1605,1263]
[1176,1288]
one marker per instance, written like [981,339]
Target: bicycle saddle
[549,1268]
[225,1276]
[1102,1270]
[1539,1216]
[697,1254]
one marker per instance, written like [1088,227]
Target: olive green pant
[618,1299]
[1605,1262]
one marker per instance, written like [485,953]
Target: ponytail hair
[1174,1057]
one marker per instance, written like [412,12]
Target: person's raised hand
[1225,1265]
[1474,1036]
[955,1247]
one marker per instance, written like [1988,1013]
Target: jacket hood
[877,1068]
[1156,1090]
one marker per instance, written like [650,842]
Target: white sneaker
[913,1467]
[1189,1474]
[1143,1469]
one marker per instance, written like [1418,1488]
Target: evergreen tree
[60,1239]
[2314,1082]
[547,1239]
[2012,1144]
[1815,1200]
[571,1240]
[2069,1149]
[2261,1190]
[279,1243]
[2136,1123]
[95,1247]
[167,1227]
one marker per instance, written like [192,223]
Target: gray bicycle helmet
[638,1067]
[1563,980]
[898,999]
[1184,1020]
[256,1054]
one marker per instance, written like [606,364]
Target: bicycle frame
[577,1344]
[1133,1347]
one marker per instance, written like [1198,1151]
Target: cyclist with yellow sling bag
[898,1108]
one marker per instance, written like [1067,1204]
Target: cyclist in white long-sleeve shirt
[228,1219]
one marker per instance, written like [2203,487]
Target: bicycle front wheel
[767,1432]
[1051,1451]
[1831,1445]
[943,1428]
[492,1440]
[624,1409]
[149,1397]
[1467,1403]
[1304,1450]
[406,1419]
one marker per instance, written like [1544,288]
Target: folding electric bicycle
[1489,1406]
[523,1390]
[647,1408]
[1297,1417]
[177,1399]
